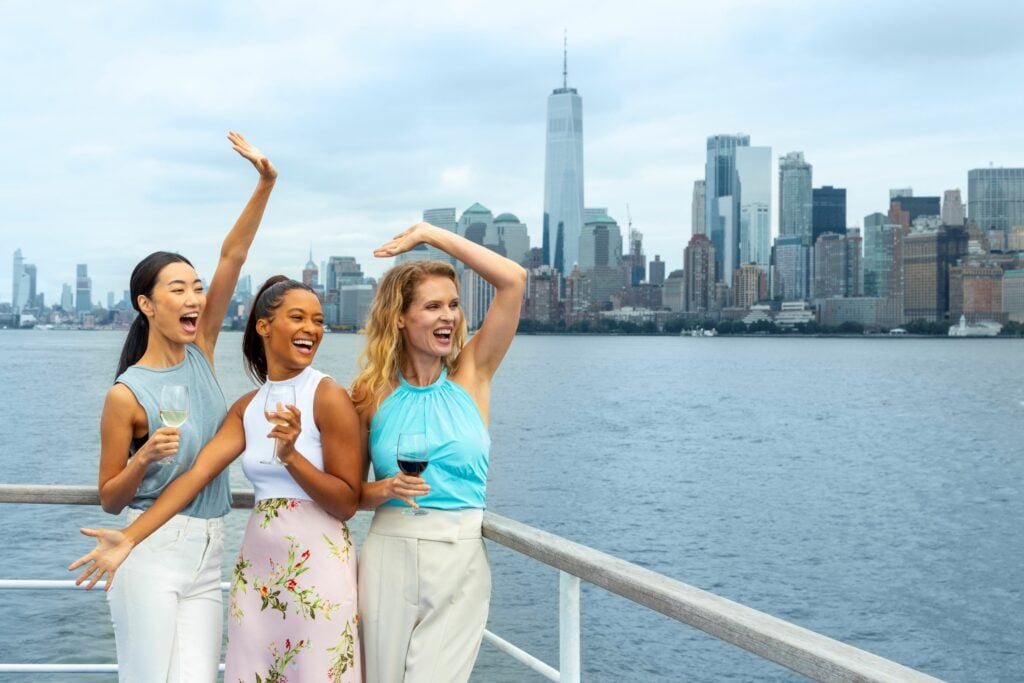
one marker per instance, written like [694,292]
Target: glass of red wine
[412,459]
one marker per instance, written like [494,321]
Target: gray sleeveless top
[206,411]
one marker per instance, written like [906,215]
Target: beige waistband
[183,522]
[436,525]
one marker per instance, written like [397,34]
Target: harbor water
[868,489]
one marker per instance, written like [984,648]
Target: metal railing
[811,654]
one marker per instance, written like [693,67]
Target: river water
[867,489]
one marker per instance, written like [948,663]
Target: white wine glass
[173,411]
[275,409]
[412,460]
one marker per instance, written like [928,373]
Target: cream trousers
[166,604]
[424,594]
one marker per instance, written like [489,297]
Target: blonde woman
[424,580]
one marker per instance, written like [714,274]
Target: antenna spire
[565,59]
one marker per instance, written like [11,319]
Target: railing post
[568,628]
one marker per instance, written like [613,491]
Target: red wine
[413,467]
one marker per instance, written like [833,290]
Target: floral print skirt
[292,616]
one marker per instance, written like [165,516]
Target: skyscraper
[795,199]
[310,273]
[828,211]
[509,236]
[905,208]
[721,201]
[995,201]
[790,267]
[699,275]
[882,256]
[17,297]
[563,176]
[656,271]
[927,258]
[83,289]
[754,174]
[442,218]
[600,258]
[636,262]
[697,226]
[952,208]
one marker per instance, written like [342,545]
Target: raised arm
[335,488]
[485,350]
[113,546]
[235,248]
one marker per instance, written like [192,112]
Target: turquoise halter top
[458,442]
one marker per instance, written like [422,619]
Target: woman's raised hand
[405,241]
[250,152]
[112,547]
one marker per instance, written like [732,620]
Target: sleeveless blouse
[458,443]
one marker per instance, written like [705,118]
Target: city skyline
[116,134]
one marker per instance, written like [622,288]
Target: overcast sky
[113,115]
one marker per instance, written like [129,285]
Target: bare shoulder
[239,406]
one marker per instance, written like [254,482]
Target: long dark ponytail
[144,278]
[267,300]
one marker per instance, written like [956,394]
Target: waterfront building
[643,295]
[927,257]
[672,295]
[354,304]
[721,200]
[749,285]
[882,263]
[793,313]
[952,208]
[828,211]
[475,295]
[541,302]
[510,237]
[600,258]
[829,266]
[976,292]
[699,276]
[854,266]
[796,202]
[67,300]
[867,311]
[83,289]
[1013,294]
[577,303]
[636,262]
[697,226]
[754,173]
[656,271]
[790,267]
[995,201]
[443,218]
[563,176]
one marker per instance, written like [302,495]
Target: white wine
[173,418]
[279,417]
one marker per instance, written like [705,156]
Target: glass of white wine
[413,458]
[173,410]
[275,409]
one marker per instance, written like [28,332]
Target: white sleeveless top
[272,480]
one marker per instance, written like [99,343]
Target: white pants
[166,604]
[424,595]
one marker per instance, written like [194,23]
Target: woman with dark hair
[424,580]
[293,596]
[167,607]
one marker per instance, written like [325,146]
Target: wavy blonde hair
[384,353]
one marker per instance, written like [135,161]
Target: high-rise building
[828,211]
[600,258]
[697,226]
[796,202]
[976,292]
[749,285]
[721,200]
[19,296]
[83,289]
[475,222]
[343,270]
[905,208]
[673,294]
[563,176]
[927,258]
[790,267]
[577,303]
[542,287]
[699,275]
[995,201]
[67,300]
[754,173]
[442,218]
[882,258]
[952,208]
[1013,294]
[110,301]
[475,296]
[354,304]
[28,287]
[310,273]
[636,262]
[837,265]
[509,236]
[656,271]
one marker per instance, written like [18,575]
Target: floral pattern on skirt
[292,616]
